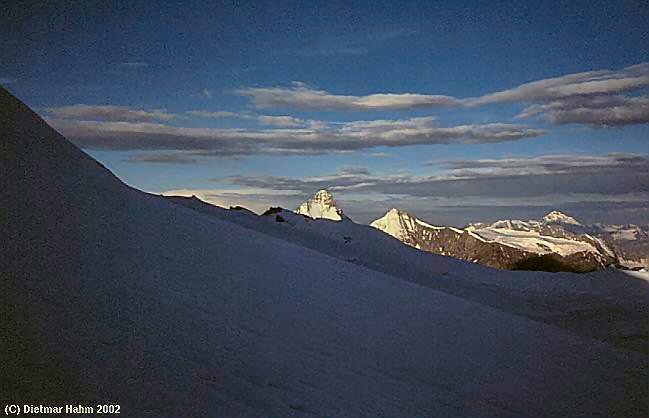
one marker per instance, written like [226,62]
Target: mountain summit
[558,217]
[321,205]
[399,224]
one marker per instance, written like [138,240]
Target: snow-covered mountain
[321,205]
[624,245]
[171,307]
[505,243]
[560,218]
[556,233]
[459,243]
[630,242]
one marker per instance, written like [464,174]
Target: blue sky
[455,111]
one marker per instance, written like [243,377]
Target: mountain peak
[323,196]
[321,205]
[558,217]
[398,215]
[399,224]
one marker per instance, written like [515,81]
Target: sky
[454,111]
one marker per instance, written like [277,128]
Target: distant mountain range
[557,242]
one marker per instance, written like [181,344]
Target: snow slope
[631,243]
[113,295]
[640,274]
[553,299]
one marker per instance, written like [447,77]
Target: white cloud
[578,84]
[108,113]
[596,111]
[570,98]
[423,130]
[314,139]
[281,121]
[217,114]
[164,158]
[302,96]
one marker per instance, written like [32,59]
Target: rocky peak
[400,224]
[321,205]
[323,196]
[395,223]
[395,213]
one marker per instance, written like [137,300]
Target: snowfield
[534,242]
[112,295]
[640,274]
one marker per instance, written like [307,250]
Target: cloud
[108,113]
[423,130]
[592,98]
[302,96]
[378,154]
[600,82]
[217,114]
[512,178]
[281,121]
[548,164]
[155,136]
[342,137]
[175,158]
[608,188]
[594,188]
[596,111]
